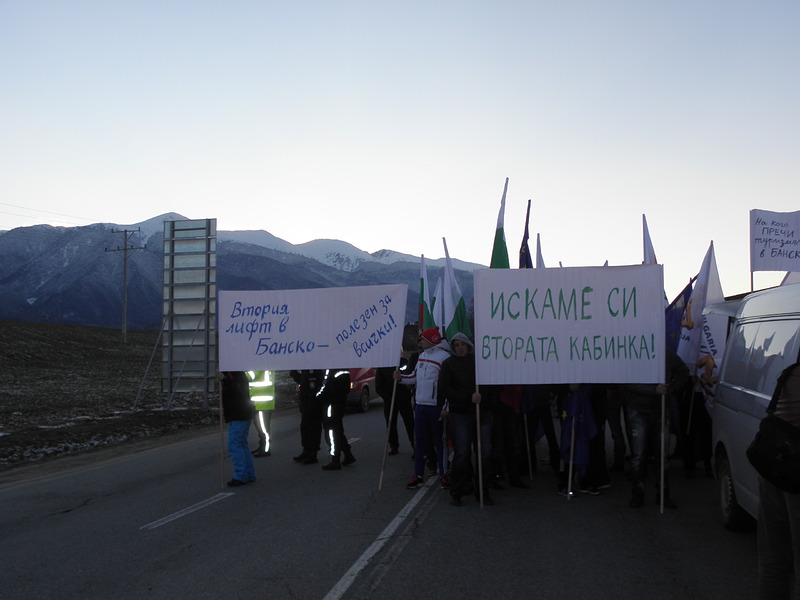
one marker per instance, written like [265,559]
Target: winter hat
[432,335]
[463,338]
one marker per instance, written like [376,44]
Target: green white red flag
[499,250]
[426,319]
[455,309]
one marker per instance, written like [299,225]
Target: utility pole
[127,233]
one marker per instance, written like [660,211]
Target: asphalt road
[158,523]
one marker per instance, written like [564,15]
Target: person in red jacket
[428,426]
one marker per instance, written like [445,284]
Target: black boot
[334,465]
[349,459]
[668,502]
[637,497]
[487,499]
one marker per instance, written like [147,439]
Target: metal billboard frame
[189,332]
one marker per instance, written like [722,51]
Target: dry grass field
[67,390]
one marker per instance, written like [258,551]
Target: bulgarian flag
[436,303]
[426,319]
[455,310]
[499,251]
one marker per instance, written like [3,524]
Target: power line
[126,233]
[36,210]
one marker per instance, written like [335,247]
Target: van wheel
[363,401]
[734,518]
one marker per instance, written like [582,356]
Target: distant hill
[73,275]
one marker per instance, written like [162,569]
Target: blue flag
[673,316]
[525,261]
[578,411]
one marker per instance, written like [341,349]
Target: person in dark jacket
[333,401]
[643,414]
[238,412]
[309,383]
[384,385]
[460,398]
[779,511]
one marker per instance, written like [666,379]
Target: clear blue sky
[394,124]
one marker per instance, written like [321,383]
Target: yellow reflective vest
[262,389]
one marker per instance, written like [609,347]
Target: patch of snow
[150,227]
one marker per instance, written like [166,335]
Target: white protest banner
[774,241]
[570,325]
[325,328]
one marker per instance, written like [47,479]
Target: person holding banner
[237,409]
[643,411]
[459,396]
[428,427]
[309,382]
[507,438]
[402,405]
[333,399]
[537,409]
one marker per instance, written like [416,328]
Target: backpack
[775,451]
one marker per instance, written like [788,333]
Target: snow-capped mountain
[73,275]
[335,253]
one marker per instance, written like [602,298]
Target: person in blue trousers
[238,412]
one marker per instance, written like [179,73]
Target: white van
[764,340]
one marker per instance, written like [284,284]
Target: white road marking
[338,590]
[186,511]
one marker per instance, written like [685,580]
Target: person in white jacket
[428,425]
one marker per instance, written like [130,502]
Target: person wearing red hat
[428,426]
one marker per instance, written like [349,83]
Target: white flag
[648,252]
[707,290]
[539,258]
[791,277]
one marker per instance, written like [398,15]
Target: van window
[759,352]
[738,359]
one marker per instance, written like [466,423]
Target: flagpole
[571,454]
[388,429]
[663,461]
[528,445]
[480,455]
[221,441]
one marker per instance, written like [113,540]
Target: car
[362,388]
[764,339]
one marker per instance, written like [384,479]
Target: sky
[395,124]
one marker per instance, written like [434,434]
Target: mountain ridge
[73,275]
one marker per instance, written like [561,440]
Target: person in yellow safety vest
[262,394]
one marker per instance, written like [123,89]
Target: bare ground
[67,390]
